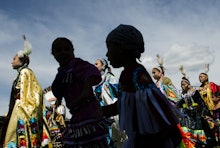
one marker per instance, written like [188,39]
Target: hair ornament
[184,78]
[105,63]
[27,48]
[182,70]
[160,62]
[206,68]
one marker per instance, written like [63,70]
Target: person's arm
[89,83]
[110,110]
[167,81]
[87,90]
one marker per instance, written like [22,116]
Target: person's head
[62,50]
[203,77]
[157,72]
[215,89]
[18,62]
[22,56]
[216,97]
[125,44]
[102,65]
[185,84]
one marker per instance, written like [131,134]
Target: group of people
[133,112]
[195,107]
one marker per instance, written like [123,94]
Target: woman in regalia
[107,92]
[164,83]
[193,123]
[24,123]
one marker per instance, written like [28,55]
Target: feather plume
[182,70]
[159,60]
[27,46]
[206,68]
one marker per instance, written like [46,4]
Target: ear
[20,64]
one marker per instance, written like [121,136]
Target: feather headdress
[27,48]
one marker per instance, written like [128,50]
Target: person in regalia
[107,93]
[194,122]
[164,83]
[24,122]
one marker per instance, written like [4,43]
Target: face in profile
[99,65]
[202,78]
[16,62]
[114,54]
[62,52]
[156,74]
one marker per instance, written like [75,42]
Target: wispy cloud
[193,57]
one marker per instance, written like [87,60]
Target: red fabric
[188,143]
[214,87]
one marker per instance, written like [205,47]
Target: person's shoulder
[110,77]
[143,75]
[167,81]
[214,87]
[110,74]
[78,63]
[26,70]
[165,78]
[81,61]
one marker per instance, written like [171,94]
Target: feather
[206,68]
[27,46]
[182,70]
[159,60]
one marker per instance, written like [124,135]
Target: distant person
[144,112]
[74,82]
[205,90]
[107,92]
[24,121]
[164,83]
[216,112]
[193,106]
[54,117]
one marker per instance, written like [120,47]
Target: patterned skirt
[87,128]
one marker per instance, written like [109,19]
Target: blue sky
[183,32]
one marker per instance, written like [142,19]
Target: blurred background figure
[205,88]
[216,111]
[194,124]
[164,83]
[107,92]
[54,117]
